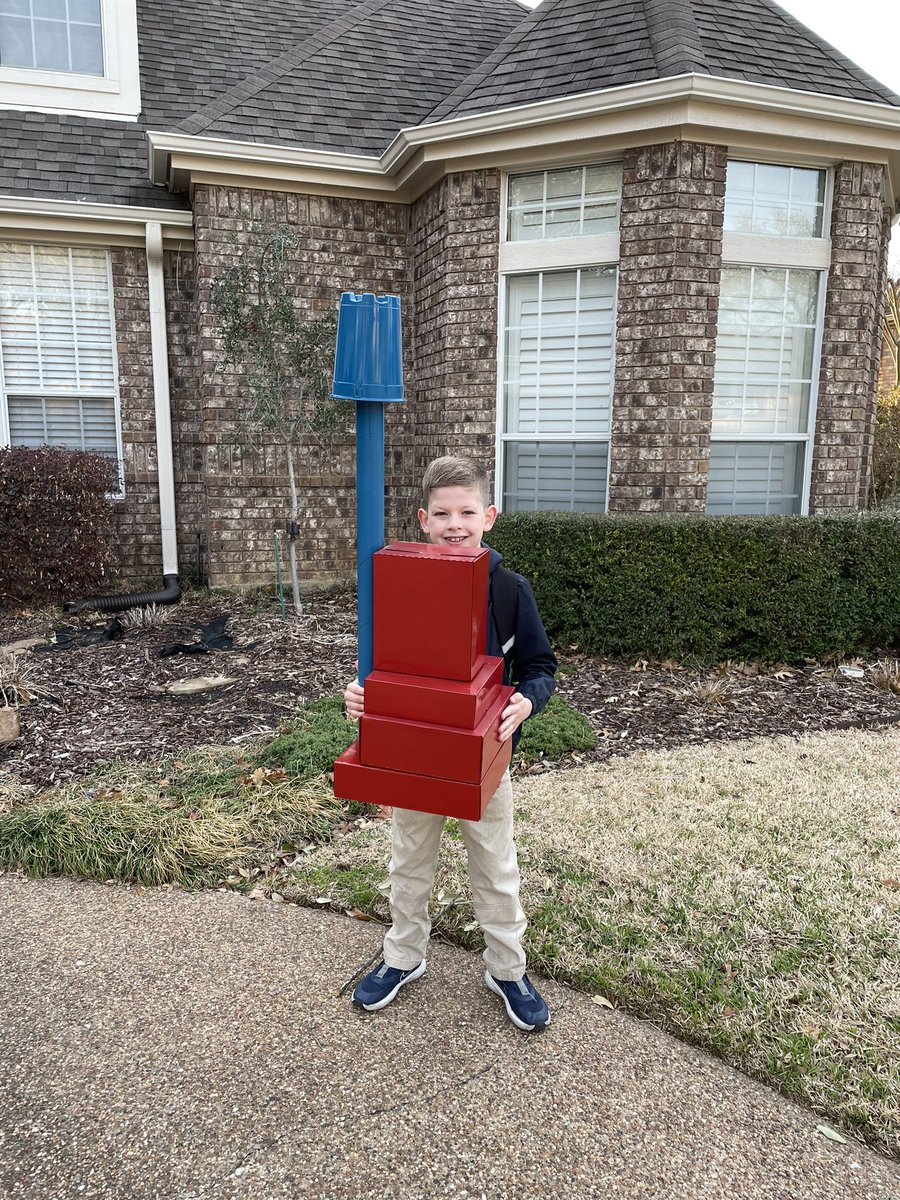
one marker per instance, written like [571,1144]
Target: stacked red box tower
[428,737]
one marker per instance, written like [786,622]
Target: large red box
[438,751]
[445,797]
[431,621]
[454,702]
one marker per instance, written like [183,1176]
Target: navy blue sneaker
[525,1005]
[382,984]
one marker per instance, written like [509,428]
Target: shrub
[55,523]
[556,730]
[319,734]
[705,589]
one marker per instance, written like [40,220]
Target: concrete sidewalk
[191,1046]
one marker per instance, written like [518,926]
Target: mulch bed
[109,700]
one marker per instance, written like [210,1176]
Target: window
[70,56]
[558,387]
[768,339]
[775,201]
[58,380]
[52,35]
[558,337]
[568,203]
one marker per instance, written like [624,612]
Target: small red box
[439,701]
[445,797]
[431,621]
[438,751]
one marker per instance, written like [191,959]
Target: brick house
[640,248]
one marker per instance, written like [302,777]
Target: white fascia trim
[26,216]
[737,93]
[161,144]
[171,153]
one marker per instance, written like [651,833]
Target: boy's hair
[450,471]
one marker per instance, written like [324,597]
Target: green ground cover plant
[744,896]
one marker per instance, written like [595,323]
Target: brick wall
[853,304]
[353,245]
[455,247]
[669,269]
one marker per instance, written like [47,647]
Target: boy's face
[456,516]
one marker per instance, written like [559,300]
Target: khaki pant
[493,878]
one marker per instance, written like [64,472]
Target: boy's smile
[456,516]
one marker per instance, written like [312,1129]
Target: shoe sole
[520,1024]
[417,973]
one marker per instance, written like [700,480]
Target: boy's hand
[518,709]
[353,700]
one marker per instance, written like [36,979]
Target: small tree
[891,331]
[288,354]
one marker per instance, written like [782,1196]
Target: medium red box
[430,622]
[438,751]
[445,797]
[440,701]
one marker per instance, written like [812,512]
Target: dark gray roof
[346,75]
[376,67]
[567,47]
[357,81]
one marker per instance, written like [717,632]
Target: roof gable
[567,47]
[357,80]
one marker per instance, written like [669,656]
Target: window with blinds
[57,348]
[557,389]
[767,343]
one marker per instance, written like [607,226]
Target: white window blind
[767,343]
[765,351]
[57,347]
[755,477]
[557,388]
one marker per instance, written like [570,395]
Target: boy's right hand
[353,700]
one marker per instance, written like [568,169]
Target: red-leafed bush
[56,527]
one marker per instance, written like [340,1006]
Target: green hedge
[705,589]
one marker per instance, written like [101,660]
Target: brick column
[456,234]
[673,203]
[848,375]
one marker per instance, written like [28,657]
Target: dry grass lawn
[744,895]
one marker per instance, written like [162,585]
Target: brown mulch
[108,700]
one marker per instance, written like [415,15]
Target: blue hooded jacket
[534,663]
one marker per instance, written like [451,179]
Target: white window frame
[5,434]
[788,253]
[117,94]
[532,257]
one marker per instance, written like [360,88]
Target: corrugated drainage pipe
[171,590]
[166,595]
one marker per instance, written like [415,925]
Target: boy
[457,512]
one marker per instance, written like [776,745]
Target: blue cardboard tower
[368,368]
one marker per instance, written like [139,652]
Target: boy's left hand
[518,709]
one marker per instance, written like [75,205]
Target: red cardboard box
[437,751]
[440,701]
[445,797]
[432,621]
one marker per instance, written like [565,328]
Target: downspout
[171,589]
